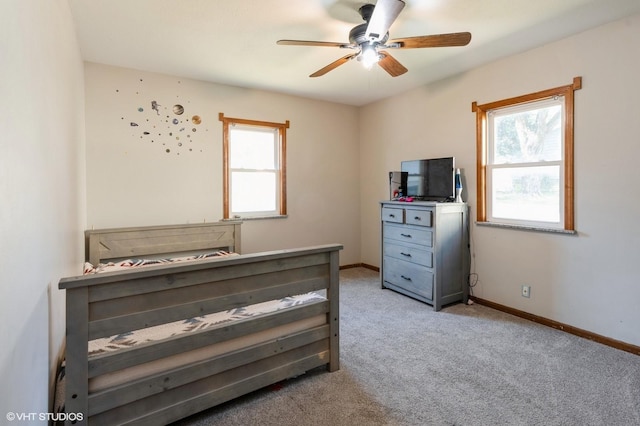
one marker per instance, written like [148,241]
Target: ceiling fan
[369,40]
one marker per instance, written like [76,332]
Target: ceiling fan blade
[391,65]
[435,40]
[312,43]
[333,65]
[384,14]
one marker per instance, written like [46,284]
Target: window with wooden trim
[254,168]
[525,160]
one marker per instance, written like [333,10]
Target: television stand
[425,251]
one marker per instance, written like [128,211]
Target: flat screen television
[431,179]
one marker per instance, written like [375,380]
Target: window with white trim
[525,160]
[254,168]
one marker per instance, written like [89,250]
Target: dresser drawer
[418,217]
[391,214]
[410,253]
[408,233]
[409,276]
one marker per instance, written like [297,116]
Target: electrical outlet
[526,291]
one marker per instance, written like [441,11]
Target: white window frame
[493,165]
[279,145]
[486,165]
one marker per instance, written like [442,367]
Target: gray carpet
[403,364]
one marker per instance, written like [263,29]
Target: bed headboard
[103,245]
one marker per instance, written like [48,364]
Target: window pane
[526,136]
[252,149]
[526,193]
[253,191]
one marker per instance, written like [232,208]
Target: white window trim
[492,165]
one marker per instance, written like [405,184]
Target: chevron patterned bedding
[123,265]
[164,331]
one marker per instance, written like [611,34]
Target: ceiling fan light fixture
[369,40]
[369,56]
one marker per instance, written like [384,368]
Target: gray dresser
[425,251]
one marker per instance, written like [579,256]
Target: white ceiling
[233,42]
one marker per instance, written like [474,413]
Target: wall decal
[166,125]
[155,106]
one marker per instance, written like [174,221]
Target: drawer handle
[405,254]
[417,218]
[405,278]
[392,215]
[406,235]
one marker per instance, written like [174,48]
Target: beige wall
[133,181]
[588,281]
[42,193]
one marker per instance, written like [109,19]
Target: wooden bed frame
[106,304]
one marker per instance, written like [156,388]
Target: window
[254,172]
[525,160]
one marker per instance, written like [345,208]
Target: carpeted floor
[403,364]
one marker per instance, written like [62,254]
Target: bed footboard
[116,303]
